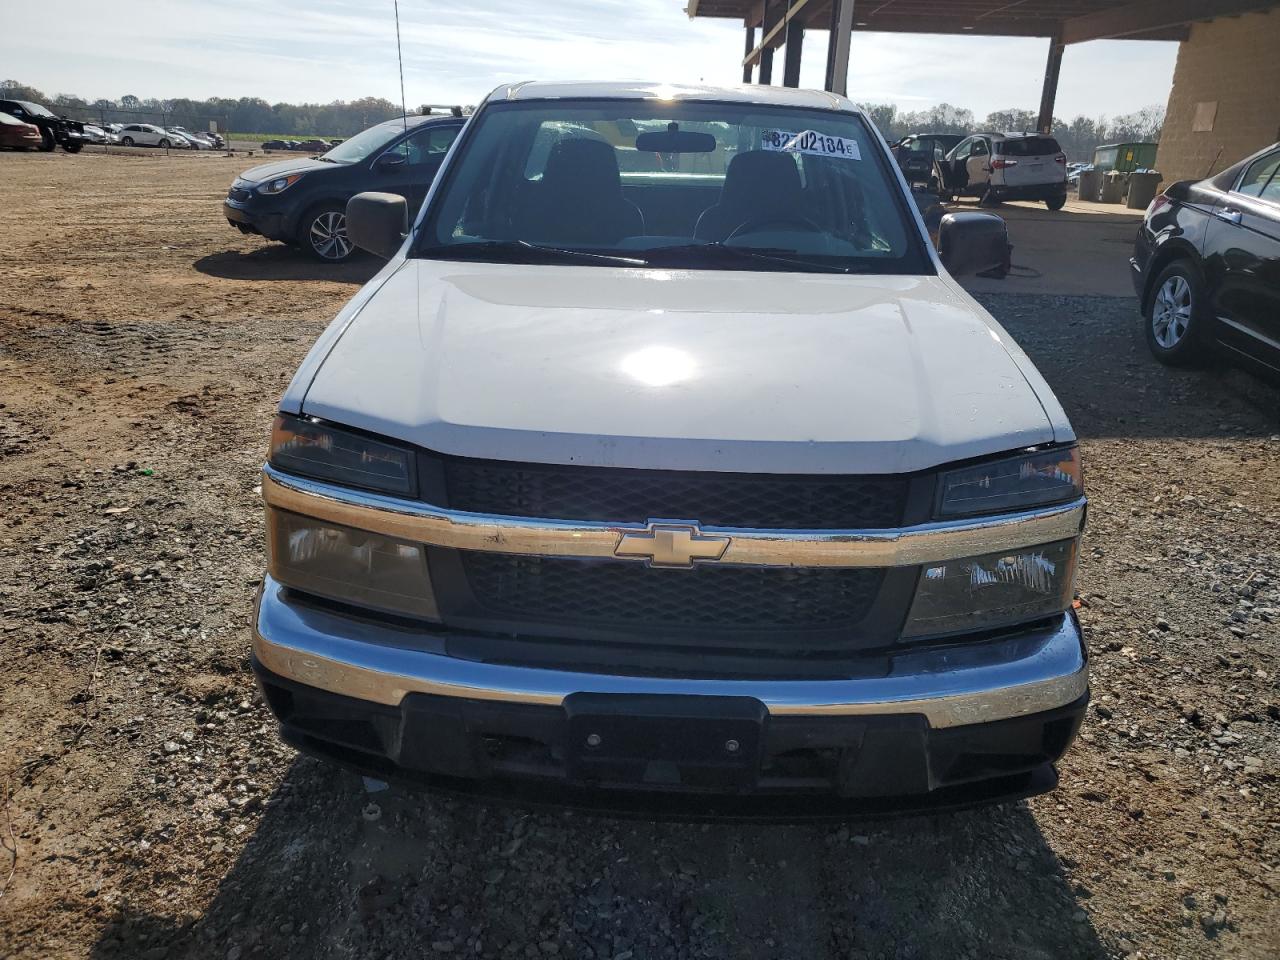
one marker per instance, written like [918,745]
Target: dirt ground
[148,810]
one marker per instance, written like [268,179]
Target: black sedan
[1206,267]
[303,200]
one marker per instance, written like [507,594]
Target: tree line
[342,118]
[1077,137]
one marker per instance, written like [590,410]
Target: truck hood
[693,370]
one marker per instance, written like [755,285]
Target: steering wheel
[756,224]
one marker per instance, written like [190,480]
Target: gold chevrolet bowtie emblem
[668,544]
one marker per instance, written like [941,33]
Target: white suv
[1005,166]
[665,456]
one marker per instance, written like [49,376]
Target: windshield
[35,109]
[364,143]
[700,185]
[1028,147]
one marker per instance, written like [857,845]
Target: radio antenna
[404,110]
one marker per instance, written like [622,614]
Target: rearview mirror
[389,160]
[676,141]
[970,243]
[378,222]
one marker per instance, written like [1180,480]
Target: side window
[1261,175]
[980,148]
[426,146]
[963,151]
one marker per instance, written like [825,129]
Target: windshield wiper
[759,254]
[522,251]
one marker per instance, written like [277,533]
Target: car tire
[1056,203]
[322,233]
[164,142]
[1175,316]
[73,146]
[47,143]
[126,141]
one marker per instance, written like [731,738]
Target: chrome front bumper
[999,679]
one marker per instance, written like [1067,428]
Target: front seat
[758,185]
[579,199]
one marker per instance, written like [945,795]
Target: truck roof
[641,90]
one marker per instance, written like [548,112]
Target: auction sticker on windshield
[810,141]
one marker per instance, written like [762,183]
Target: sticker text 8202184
[812,142]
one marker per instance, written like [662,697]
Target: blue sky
[457,50]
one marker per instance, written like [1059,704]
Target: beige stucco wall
[1234,63]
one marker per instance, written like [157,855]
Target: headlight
[279,184]
[1017,483]
[994,590]
[314,449]
[353,566]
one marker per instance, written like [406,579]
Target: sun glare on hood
[659,366]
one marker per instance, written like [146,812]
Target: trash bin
[1142,188]
[1112,188]
[1089,184]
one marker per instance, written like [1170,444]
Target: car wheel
[323,234]
[164,142]
[47,142]
[1056,203]
[1174,315]
[74,146]
[126,141]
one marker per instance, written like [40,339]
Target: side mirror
[968,243]
[378,222]
[389,161]
[1179,190]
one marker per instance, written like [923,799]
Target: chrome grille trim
[898,547]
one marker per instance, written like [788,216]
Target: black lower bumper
[1045,191]
[681,757]
[269,224]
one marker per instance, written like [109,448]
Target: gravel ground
[154,814]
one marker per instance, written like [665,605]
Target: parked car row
[311,145]
[153,135]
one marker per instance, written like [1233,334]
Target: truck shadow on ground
[333,870]
[278,261]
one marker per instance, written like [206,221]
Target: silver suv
[1005,166]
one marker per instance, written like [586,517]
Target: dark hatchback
[1206,266]
[917,152]
[303,200]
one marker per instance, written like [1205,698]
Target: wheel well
[1167,255]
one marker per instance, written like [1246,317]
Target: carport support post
[1050,92]
[795,49]
[751,45]
[837,79]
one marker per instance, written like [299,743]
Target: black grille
[239,194]
[616,495]
[652,603]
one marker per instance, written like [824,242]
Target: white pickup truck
[666,465]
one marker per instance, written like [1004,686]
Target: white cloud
[322,50]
